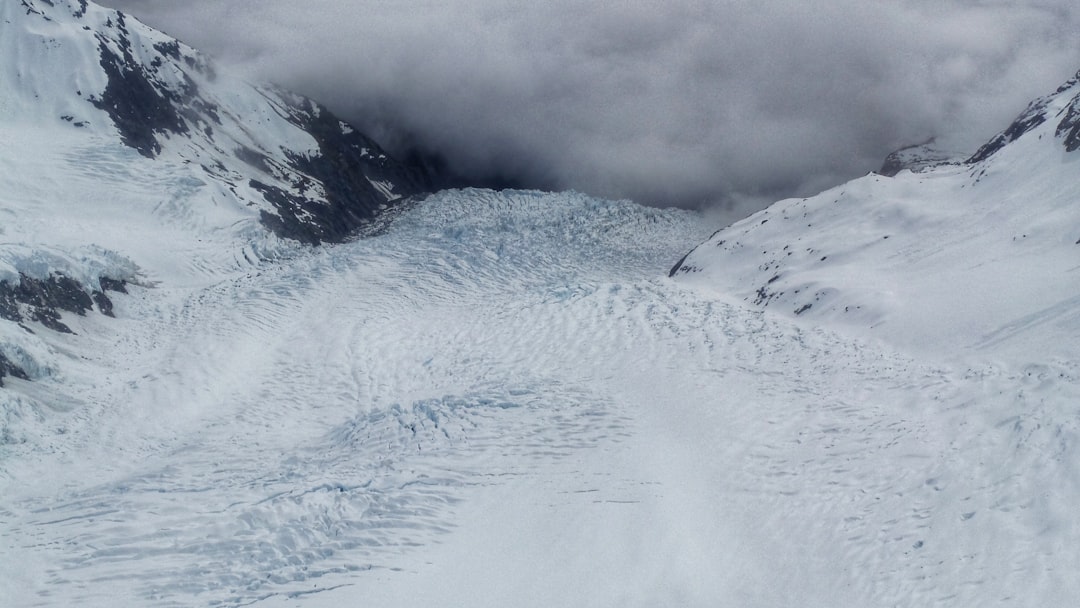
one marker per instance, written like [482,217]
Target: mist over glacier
[690,103]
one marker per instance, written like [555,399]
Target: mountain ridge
[863,253]
[128,152]
[312,177]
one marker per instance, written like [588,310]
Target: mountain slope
[128,158]
[307,175]
[980,256]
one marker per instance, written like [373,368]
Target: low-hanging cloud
[680,102]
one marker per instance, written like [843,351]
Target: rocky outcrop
[309,176]
[916,158]
[1038,112]
[43,300]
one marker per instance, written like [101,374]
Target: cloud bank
[726,103]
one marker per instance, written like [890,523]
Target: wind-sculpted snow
[499,400]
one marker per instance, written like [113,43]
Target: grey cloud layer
[676,102]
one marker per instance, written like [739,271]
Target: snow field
[978,260]
[499,402]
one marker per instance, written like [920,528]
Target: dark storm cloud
[677,102]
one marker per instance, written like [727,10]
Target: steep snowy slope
[979,256]
[106,78]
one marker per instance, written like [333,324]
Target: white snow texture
[866,398]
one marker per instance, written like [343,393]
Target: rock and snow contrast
[96,77]
[870,397]
[959,257]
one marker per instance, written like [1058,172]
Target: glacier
[478,398]
[502,399]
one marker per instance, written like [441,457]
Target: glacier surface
[502,400]
[870,397]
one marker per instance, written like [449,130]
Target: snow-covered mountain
[106,78]
[119,138]
[917,158]
[980,254]
[864,398]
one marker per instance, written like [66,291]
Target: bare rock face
[42,300]
[1068,130]
[311,176]
[270,156]
[1038,112]
[916,158]
[926,155]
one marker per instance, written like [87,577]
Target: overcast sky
[666,102]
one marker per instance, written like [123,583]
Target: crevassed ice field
[503,400]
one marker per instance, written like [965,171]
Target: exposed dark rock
[7,368]
[347,167]
[764,296]
[108,284]
[42,300]
[1035,114]
[679,265]
[254,159]
[104,304]
[1069,127]
[159,91]
[168,49]
[30,10]
[137,106]
[302,219]
[916,158]
[139,102]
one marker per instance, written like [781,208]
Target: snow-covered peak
[1060,111]
[980,256]
[75,66]
[917,158]
[127,157]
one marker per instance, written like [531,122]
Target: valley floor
[501,401]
